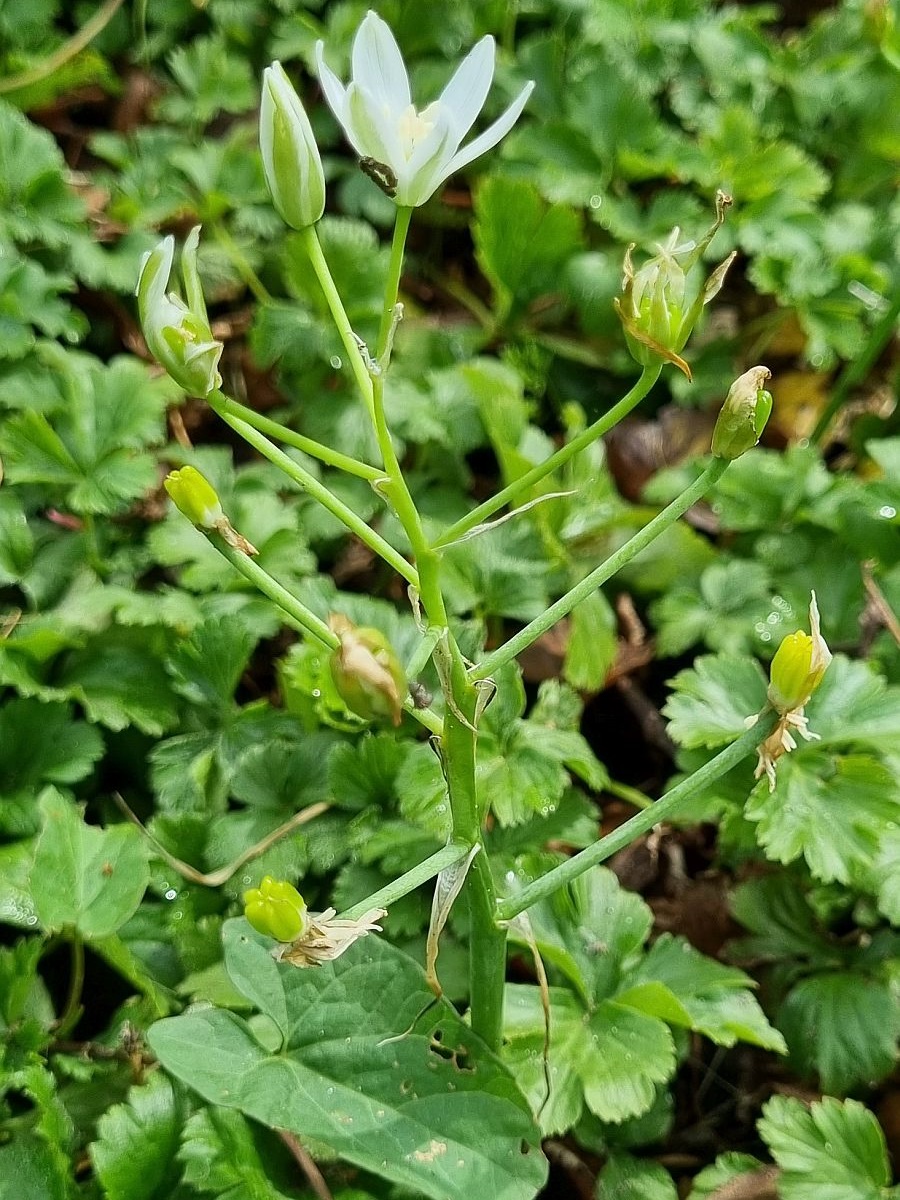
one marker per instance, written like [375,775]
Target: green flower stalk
[656,307]
[367,674]
[177,333]
[744,414]
[276,909]
[290,156]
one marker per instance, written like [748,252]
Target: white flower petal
[378,64]
[492,135]
[373,134]
[467,91]
[428,165]
[335,92]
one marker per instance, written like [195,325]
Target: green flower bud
[178,333]
[290,155]
[656,309]
[744,414]
[798,666]
[367,673]
[194,497]
[276,909]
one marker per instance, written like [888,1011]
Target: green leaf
[627,1178]
[727,1167]
[418,1110]
[842,1026]
[776,910]
[830,1151]
[85,877]
[16,541]
[599,928]
[623,1055]
[22,992]
[226,1156]
[720,612]
[134,1154]
[212,80]
[36,204]
[92,449]
[521,242]
[523,1051]
[833,811]
[888,871]
[855,707]
[521,782]
[120,682]
[39,1161]
[29,300]
[208,665]
[711,700]
[716,998]
[616,1054]
[592,643]
[41,743]
[283,774]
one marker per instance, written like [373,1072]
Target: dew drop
[317,692]
[595,201]
[171,894]
[32,920]
[336,361]
[887,511]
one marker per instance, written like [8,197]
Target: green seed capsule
[276,909]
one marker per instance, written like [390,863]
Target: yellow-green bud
[290,155]
[799,665]
[367,673]
[195,497]
[178,334]
[744,414]
[276,909]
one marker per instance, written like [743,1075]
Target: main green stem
[601,574]
[525,482]
[640,823]
[487,942]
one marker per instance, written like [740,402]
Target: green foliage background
[133,661]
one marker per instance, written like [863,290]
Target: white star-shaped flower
[412,151]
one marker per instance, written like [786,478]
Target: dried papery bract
[327,938]
[656,307]
[409,152]
[796,671]
[277,910]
